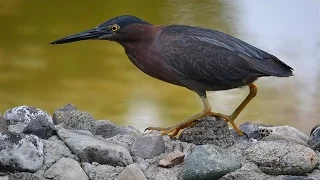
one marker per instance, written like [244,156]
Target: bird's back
[210,56]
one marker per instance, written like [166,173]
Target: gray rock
[20,152]
[27,176]
[282,138]
[208,162]
[175,145]
[78,120]
[148,146]
[54,149]
[61,114]
[314,174]
[253,131]
[3,124]
[153,171]
[298,178]
[101,172]
[208,130]
[281,158]
[249,171]
[107,129]
[5,178]
[17,128]
[287,131]
[172,159]
[91,149]
[25,114]
[40,127]
[66,168]
[125,140]
[314,140]
[131,172]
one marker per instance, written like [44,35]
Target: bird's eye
[115,27]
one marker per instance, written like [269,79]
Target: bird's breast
[149,61]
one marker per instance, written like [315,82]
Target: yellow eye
[115,27]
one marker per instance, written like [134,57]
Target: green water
[97,77]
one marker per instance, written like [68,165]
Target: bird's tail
[279,68]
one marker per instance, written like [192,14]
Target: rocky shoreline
[71,144]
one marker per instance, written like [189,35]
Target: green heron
[196,58]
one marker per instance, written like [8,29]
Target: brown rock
[172,159]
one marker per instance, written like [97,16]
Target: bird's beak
[96,33]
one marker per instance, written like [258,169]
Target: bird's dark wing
[211,56]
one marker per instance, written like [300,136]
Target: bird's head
[117,29]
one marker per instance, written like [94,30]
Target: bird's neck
[140,36]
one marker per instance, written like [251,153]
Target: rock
[282,138]
[54,149]
[27,176]
[248,171]
[91,149]
[172,159]
[208,162]
[314,140]
[253,131]
[175,145]
[20,152]
[148,146]
[107,129]
[3,124]
[281,158]
[25,114]
[315,174]
[287,131]
[101,172]
[298,178]
[131,172]
[5,178]
[41,128]
[208,130]
[61,114]
[125,140]
[17,128]
[66,168]
[78,120]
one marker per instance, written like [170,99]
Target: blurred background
[97,77]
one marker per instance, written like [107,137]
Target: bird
[196,58]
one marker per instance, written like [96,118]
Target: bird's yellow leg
[187,122]
[207,111]
[253,92]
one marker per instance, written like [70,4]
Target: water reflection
[98,77]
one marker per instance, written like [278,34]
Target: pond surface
[97,77]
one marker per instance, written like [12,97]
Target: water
[97,77]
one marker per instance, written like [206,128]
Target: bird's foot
[175,129]
[228,119]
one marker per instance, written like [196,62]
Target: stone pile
[71,144]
